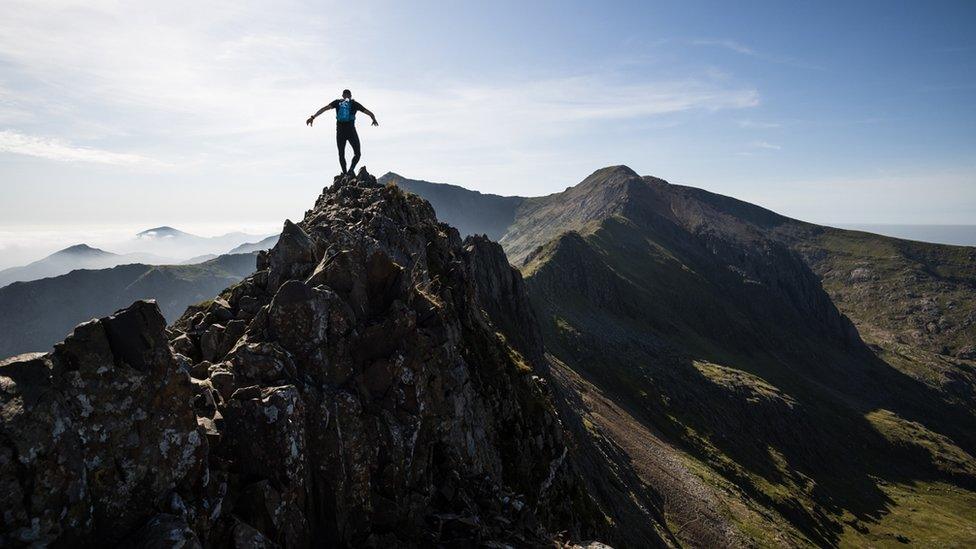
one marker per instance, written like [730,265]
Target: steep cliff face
[355,391]
[500,291]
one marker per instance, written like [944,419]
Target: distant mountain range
[35,314]
[158,246]
[42,301]
[80,256]
[176,243]
[774,382]
[199,259]
[249,247]
[164,232]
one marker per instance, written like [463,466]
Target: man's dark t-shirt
[356,107]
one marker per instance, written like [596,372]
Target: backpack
[345,111]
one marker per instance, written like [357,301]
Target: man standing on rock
[346,109]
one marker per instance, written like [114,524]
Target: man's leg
[354,141]
[341,143]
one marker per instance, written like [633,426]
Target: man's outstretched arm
[311,119]
[368,113]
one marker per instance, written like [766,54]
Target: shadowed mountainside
[724,332]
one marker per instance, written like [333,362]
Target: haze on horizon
[118,114]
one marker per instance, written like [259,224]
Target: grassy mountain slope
[913,302]
[798,406]
[34,315]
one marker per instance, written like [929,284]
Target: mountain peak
[618,170]
[602,194]
[611,175]
[164,231]
[81,249]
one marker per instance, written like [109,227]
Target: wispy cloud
[749,51]
[765,145]
[756,148]
[55,149]
[756,124]
[553,105]
[729,45]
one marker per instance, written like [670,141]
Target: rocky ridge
[377,382]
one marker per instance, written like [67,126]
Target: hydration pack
[345,112]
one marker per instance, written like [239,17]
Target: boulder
[293,256]
[165,531]
[97,433]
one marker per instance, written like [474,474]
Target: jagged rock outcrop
[501,292]
[354,391]
[97,436]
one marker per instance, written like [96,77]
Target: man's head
[346,94]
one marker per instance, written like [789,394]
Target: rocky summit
[376,382]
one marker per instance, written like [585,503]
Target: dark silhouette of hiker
[346,109]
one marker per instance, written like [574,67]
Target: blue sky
[192,114]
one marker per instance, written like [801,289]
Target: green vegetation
[897,291]
[514,356]
[773,412]
[945,454]
[921,514]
